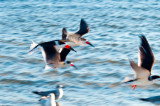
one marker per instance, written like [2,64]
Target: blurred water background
[114,28]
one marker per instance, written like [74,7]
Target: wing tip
[143,38]
[83,22]
[64,29]
[82,19]
[143,99]
[35,92]
[64,33]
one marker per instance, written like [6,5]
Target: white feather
[141,74]
[60,90]
[47,67]
[139,58]
[32,50]
[126,79]
[48,101]
[44,55]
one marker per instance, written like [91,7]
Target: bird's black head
[151,78]
[68,62]
[71,64]
[59,86]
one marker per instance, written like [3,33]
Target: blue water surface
[114,28]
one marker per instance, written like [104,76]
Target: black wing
[83,28]
[64,53]
[51,54]
[64,34]
[146,57]
[43,93]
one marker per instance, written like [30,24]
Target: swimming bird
[52,57]
[58,92]
[154,99]
[75,39]
[48,100]
[143,69]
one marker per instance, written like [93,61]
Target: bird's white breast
[142,82]
[43,54]
[60,93]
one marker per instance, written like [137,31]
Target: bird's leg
[133,87]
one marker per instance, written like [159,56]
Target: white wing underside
[126,79]
[140,73]
[44,55]
[139,59]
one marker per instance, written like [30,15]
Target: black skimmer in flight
[143,69]
[48,100]
[75,39]
[52,57]
[58,92]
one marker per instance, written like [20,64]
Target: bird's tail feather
[33,47]
[126,79]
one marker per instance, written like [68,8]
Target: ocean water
[114,28]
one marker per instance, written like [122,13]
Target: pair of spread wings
[82,30]
[145,59]
[51,52]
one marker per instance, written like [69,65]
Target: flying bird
[52,57]
[143,69]
[75,39]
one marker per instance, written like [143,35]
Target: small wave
[14,81]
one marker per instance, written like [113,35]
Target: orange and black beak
[73,66]
[87,42]
[70,48]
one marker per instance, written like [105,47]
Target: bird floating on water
[48,100]
[58,92]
